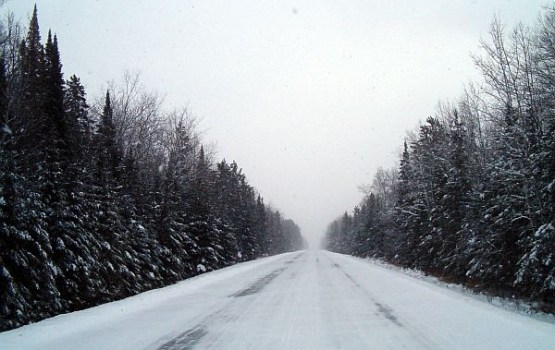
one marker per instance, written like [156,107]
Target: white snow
[201,268]
[302,300]
[6,129]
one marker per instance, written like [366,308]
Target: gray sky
[309,97]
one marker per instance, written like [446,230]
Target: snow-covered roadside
[439,317]
[303,300]
[519,306]
[136,320]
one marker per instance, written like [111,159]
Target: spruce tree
[77,118]
[456,202]
[32,120]
[54,100]
[108,153]
[405,212]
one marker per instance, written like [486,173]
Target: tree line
[473,197]
[99,202]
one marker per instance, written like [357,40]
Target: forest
[104,199]
[472,200]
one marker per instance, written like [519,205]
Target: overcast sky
[309,97]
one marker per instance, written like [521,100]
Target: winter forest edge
[102,202]
[473,198]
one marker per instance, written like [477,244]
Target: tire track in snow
[347,319]
[260,283]
[191,337]
[186,340]
[385,310]
[223,330]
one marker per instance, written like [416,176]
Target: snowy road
[302,300]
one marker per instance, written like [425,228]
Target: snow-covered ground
[302,300]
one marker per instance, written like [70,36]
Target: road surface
[301,300]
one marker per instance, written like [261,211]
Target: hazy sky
[309,97]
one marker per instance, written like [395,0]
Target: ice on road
[301,300]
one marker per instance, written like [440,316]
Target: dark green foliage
[77,119]
[96,207]
[474,198]
[108,153]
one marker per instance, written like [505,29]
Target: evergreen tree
[54,90]
[32,121]
[90,215]
[108,153]
[77,118]
[476,191]
[406,214]
[456,202]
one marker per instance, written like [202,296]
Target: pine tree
[456,202]
[80,208]
[405,213]
[54,101]
[108,153]
[200,188]
[262,226]
[77,118]
[7,170]
[536,266]
[32,121]
[430,169]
